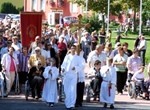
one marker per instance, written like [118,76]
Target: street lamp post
[87,8]
[140,23]
[108,16]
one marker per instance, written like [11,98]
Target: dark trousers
[142,86]
[80,92]
[36,84]
[96,85]
[142,55]
[102,40]
[86,52]
[121,81]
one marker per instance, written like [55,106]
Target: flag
[31,26]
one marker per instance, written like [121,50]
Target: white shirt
[138,75]
[44,53]
[92,57]
[102,58]
[17,47]
[142,43]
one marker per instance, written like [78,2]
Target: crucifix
[79,25]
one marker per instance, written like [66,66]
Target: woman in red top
[62,49]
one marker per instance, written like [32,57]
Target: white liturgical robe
[70,78]
[50,86]
[107,95]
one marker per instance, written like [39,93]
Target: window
[34,5]
[43,5]
[74,8]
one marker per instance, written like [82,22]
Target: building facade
[53,9]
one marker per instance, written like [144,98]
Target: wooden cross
[79,25]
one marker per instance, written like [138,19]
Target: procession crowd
[62,52]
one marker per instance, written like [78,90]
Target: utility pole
[108,11]
[140,23]
[87,8]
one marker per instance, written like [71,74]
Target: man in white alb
[70,66]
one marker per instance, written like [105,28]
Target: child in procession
[107,91]
[50,86]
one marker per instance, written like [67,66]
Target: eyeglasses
[39,64]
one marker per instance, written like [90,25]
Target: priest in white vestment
[70,66]
[107,91]
[50,86]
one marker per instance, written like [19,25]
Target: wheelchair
[29,83]
[89,88]
[3,87]
[60,87]
[134,90]
[1,84]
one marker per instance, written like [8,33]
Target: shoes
[111,106]
[51,105]
[105,105]
[71,108]
[33,95]
[78,105]
[120,93]
[37,98]
[94,99]
[6,95]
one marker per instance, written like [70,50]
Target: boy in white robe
[50,86]
[107,91]
[70,66]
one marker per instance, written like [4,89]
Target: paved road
[123,102]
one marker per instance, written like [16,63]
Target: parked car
[3,16]
[15,17]
[69,19]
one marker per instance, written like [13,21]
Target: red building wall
[56,7]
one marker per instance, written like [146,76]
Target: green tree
[134,5]
[146,11]
[101,6]
[20,9]
[94,22]
[7,7]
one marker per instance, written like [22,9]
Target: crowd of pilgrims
[55,53]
